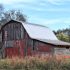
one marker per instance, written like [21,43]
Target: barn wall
[21,45]
[13,39]
[43,48]
[15,44]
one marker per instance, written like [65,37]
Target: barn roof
[39,32]
[42,33]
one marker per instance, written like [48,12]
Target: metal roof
[39,32]
[42,33]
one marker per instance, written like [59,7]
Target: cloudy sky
[54,14]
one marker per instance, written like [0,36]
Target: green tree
[63,37]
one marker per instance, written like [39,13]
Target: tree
[62,37]
[20,16]
[1,10]
[12,14]
[63,34]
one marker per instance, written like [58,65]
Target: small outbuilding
[26,39]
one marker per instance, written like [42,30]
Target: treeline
[63,35]
[10,14]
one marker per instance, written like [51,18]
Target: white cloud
[59,9]
[44,21]
[15,1]
[36,5]
[54,24]
[48,21]
[49,9]
[67,21]
[58,2]
[55,2]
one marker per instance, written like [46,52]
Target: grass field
[35,63]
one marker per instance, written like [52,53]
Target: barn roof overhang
[56,42]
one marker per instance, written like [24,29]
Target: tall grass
[35,63]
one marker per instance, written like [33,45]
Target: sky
[54,14]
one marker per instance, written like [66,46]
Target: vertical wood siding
[18,43]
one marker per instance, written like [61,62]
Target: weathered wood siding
[16,42]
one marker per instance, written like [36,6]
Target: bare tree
[11,14]
[1,10]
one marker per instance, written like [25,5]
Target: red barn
[21,39]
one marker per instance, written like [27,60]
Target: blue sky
[54,14]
